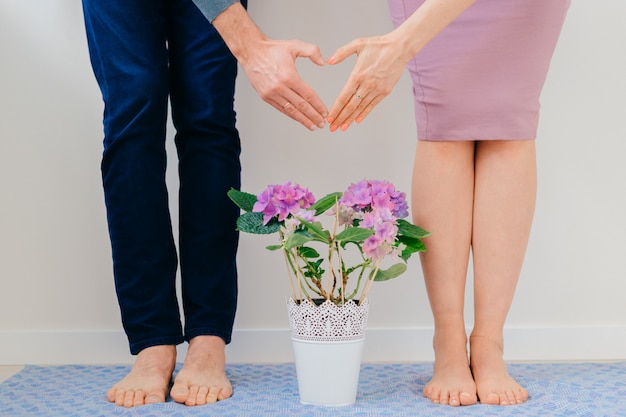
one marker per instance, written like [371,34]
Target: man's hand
[270,67]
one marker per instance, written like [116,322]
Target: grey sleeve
[212,8]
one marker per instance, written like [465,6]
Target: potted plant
[331,270]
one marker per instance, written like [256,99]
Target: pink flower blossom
[376,248]
[372,246]
[293,221]
[387,231]
[282,201]
[379,205]
[368,195]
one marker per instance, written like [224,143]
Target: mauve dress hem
[481,78]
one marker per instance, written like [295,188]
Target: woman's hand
[379,65]
[381,60]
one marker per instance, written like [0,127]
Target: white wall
[57,301]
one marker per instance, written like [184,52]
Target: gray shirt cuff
[212,8]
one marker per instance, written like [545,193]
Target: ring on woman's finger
[358,96]
[285,105]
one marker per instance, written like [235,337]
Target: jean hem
[223,334]
[137,347]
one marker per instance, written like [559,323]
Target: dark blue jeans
[144,52]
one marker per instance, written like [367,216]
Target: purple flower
[371,247]
[282,200]
[375,248]
[380,244]
[370,219]
[308,215]
[367,196]
[387,231]
[293,221]
[357,195]
[379,205]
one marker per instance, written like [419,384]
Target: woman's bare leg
[504,202]
[442,200]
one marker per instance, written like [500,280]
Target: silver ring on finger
[287,104]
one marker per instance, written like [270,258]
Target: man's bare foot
[452,382]
[148,380]
[203,378]
[493,383]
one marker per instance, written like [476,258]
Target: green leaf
[243,200]
[253,223]
[325,203]
[412,245]
[297,239]
[410,230]
[392,272]
[313,270]
[307,252]
[353,234]
[316,230]
[274,247]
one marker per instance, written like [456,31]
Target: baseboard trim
[588,343]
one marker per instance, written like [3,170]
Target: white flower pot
[328,347]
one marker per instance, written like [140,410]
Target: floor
[556,390]
[7,371]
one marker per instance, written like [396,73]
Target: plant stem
[344,276]
[339,258]
[296,269]
[369,283]
[331,249]
[358,283]
[289,268]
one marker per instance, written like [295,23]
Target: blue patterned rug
[568,390]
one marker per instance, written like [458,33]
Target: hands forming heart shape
[270,64]
[272,72]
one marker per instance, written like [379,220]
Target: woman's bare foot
[493,383]
[148,380]
[452,382]
[203,378]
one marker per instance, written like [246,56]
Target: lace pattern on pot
[327,322]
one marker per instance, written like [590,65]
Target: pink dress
[481,77]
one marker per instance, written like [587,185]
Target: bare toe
[518,397]
[444,397]
[454,399]
[494,385]
[148,380]
[452,382]
[154,399]
[202,378]
[201,396]
[492,398]
[225,393]
[179,392]
[214,395]
[431,393]
[468,399]
[192,398]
